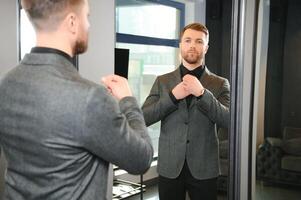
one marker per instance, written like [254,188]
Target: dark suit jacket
[188,133]
[59,132]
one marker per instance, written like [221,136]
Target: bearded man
[59,131]
[191,102]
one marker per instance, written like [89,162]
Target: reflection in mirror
[141,27]
[153,46]
[150,31]
[277,100]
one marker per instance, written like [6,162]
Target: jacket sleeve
[116,132]
[217,107]
[158,104]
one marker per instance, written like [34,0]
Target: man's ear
[71,23]
[207,48]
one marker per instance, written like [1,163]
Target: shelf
[123,189]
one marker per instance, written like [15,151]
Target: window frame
[138,39]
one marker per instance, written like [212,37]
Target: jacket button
[187,141]
[186,123]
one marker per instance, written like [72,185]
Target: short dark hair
[46,14]
[196,27]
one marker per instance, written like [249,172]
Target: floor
[262,193]
[152,194]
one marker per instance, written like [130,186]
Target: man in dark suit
[59,131]
[190,102]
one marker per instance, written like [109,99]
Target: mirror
[277,106]
[141,27]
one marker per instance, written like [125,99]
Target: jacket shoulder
[217,79]
[169,76]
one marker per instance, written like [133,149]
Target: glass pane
[138,18]
[278,144]
[27,34]
[146,62]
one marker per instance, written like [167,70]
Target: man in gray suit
[190,102]
[59,131]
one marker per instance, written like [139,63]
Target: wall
[218,21]
[274,78]
[99,59]
[193,10]
[291,92]
[283,90]
[8,35]
[200,11]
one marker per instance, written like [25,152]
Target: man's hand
[179,91]
[192,85]
[117,86]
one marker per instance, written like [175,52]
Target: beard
[192,58]
[80,47]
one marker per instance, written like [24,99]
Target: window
[150,30]
[143,19]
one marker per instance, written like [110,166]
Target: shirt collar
[197,72]
[54,51]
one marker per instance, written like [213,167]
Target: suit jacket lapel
[205,78]
[176,80]
[177,76]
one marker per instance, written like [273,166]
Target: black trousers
[175,189]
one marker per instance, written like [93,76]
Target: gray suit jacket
[188,133]
[59,132]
